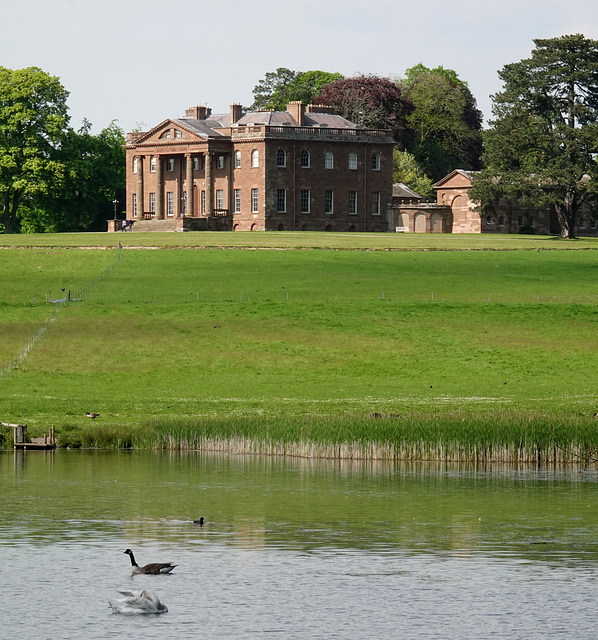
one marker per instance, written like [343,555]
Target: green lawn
[219,334]
[299,239]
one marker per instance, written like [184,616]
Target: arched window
[501,221]
[489,219]
[305,159]
[328,160]
[281,158]
[255,158]
[237,159]
[375,161]
[352,160]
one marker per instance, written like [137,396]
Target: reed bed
[455,436]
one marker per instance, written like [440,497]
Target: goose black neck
[133,563]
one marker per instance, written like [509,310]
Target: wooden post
[19,432]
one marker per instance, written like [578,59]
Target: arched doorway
[436,223]
[403,223]
[420,223]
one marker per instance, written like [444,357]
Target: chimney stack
[198,112]
[236,111]
[320,108]
[296,109]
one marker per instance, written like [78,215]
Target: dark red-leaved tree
[370,102]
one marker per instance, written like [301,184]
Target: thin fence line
[9,365]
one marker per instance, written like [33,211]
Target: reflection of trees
[306,505]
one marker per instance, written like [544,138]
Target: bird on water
[135,603]
[154,568]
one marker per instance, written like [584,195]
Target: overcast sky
[141,61]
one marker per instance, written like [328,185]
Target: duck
[154,568]
[199,522]
[140,602]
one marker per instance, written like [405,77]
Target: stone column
[140,208]
[189,179]
[159,190]
[209,185]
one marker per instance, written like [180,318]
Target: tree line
[540,147]
[53,178]
[431,113]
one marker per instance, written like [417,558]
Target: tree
[33,120]
[540,148]
[407,170]
[273,82]
[94,173]
[370,102]
[445,124]
[279,88]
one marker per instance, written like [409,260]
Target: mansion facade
[305,168]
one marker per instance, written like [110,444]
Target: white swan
[139,602]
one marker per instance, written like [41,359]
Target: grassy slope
[182,334]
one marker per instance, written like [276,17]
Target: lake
[295,548]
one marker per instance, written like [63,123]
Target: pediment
[458,178]
[170,131]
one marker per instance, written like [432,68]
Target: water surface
[296,548]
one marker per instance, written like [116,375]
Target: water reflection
[297,548]
[253,502]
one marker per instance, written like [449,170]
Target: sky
[142,61]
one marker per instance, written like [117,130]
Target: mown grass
[481,354]
[299,240]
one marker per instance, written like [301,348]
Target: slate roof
[276,118]
[202,128]
[400,190]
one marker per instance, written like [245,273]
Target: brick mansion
[305,168]
[302,169]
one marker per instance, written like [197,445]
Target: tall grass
[452,436]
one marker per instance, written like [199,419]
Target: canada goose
[92,415]
[153,568]
[141,602]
